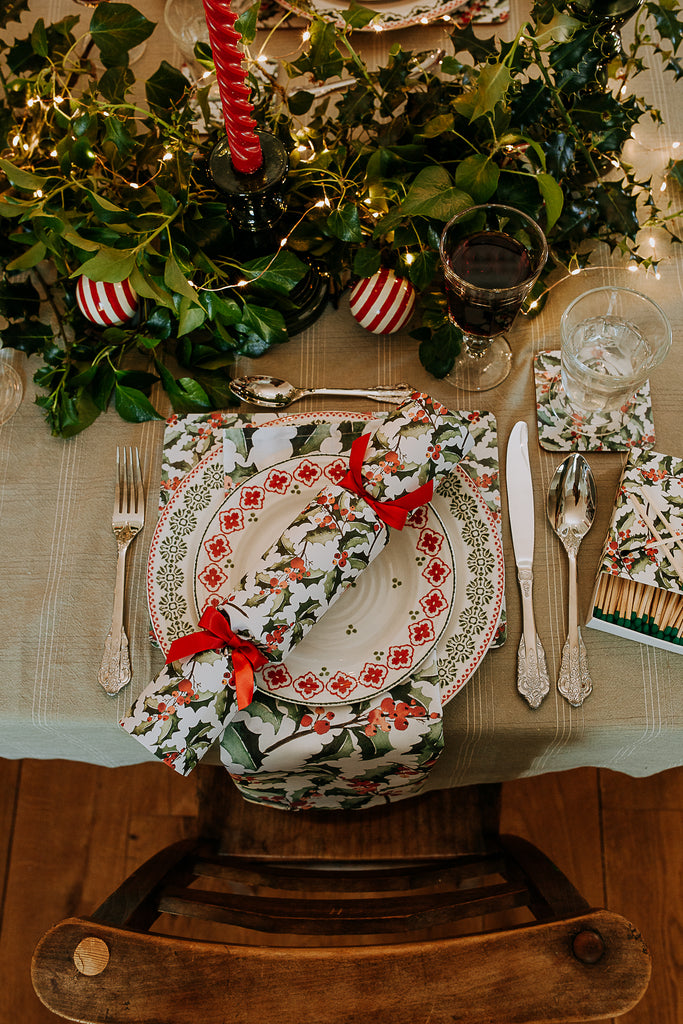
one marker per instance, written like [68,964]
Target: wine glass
[11,390]
[491,257]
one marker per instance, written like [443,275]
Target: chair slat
[314,876]
[341,916]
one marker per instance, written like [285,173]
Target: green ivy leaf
[247,22]
[108,265]
[367,262]
[31,258]
[553,197]
[117,28]
[278,276]
[423,268]
[115,83]
[478,176]
[261,328]
[165,89]
[186,395]
[20,178]
[344,223]
[39,38]
[431,195]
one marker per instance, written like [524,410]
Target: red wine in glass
[490,260]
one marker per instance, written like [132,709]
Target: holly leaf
[357,16]
[493,83]
[665,16]
[618,208]
[675,171]
[438,348]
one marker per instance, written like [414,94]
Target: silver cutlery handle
[533,681]
[394,394]
[574,681]
[115,671]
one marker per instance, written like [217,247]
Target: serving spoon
[571,510]
[274,393]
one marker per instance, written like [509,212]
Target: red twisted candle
[245,148]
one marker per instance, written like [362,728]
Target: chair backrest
[393,914]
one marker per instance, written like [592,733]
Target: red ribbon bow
[216,633]
[394,512]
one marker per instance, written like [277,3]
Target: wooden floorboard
[70,832]
[643,839]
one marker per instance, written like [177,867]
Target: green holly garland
[95,181]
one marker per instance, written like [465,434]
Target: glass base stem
[481,364]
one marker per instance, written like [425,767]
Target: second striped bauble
[382,303]
[106,304]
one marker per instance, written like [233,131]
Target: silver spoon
[571,511]
[274,393]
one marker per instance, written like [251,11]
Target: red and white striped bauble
[382,303]
[104,303]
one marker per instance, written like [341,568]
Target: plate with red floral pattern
[378,631]
[374,636]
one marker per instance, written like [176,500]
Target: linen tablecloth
[57,570]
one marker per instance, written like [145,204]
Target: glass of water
[612,338]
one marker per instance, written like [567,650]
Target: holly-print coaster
[562,429]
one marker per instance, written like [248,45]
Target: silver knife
[533,681]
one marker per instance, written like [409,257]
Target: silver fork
[127,521]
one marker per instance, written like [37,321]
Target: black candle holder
[256,204]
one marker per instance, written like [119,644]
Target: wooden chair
[389,914]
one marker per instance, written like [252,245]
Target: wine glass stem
[476,346]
